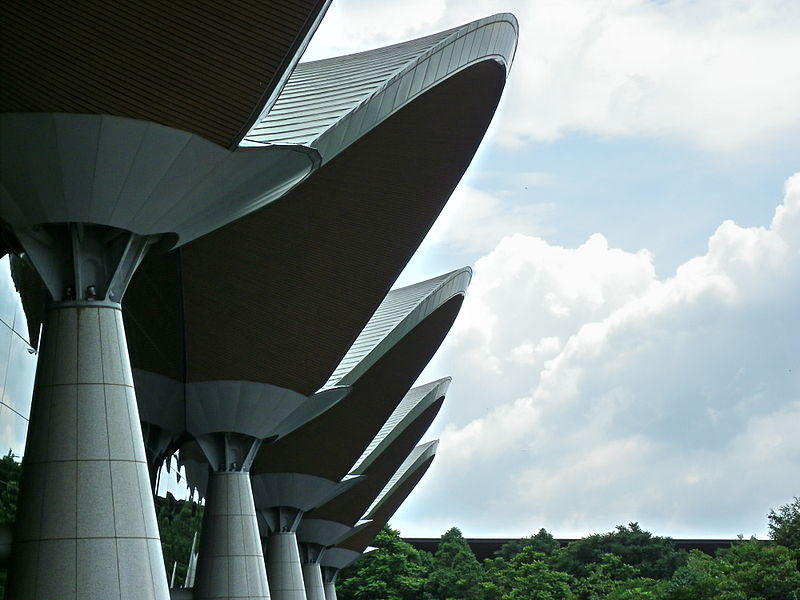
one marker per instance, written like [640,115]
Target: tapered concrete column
[312,576]
[311,553]
[329,581]
[284,568]
[230,564]
[86,526]
[330,590]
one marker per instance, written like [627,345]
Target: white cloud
[474,221]
[720,75]
[588,393]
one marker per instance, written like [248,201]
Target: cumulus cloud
[588,392]
[721,76]
[474,221]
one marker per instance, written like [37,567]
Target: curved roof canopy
[380,368]
[417,410]
[134,173]
[387,452]
[391,497]
[330,249]
[321,258]
[400,312]
[210,68]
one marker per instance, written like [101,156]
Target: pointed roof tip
[438,280]
[401,310]
[413,468]
[443,383]
[406,417]
[506,16]
[433,445]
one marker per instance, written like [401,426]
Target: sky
[629,348]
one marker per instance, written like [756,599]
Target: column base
[284,568]
[230,563]
[330,590]
[312,576]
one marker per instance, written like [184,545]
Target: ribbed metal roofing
[415,401]
[207,67]
[401,310]
[418,456]
[319,93]
[330,103]
[388,452]
[393,495]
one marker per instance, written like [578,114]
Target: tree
[535,580]
[762,570]
[396,571]
[603,577]
[527,576]
[638,588]
[748,570]
[10,471]
[654,557]
[178,521]
[784,526]
[496,581]
[9,487]
[455,572]
[542,542]
[703,577]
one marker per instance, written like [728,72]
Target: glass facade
[17,366]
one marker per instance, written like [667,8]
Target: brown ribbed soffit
[351,505]
[206,67]
[343,432]
[279,296]
[360,540]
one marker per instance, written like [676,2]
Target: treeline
[626,564]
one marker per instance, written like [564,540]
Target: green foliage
[178,520]
[654,557]
[527,576]
[784,526]
[604,577]
[703,577]
[496,579]
[10,471]
[749,570]
[396,571]
[638,588]
[542,542]
[763,570]
[536,581]
[455,572]
[9,487]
